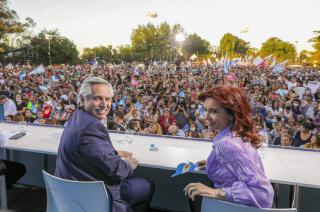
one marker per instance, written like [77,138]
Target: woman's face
[153,128]
[18,98]
[314,139]
[285,141]
[217,117]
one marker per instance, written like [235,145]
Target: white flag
[257,61]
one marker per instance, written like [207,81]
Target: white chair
[75,196]
[212,205]
[3,192]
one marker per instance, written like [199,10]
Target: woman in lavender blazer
[233,165]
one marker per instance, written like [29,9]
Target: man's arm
[96,148]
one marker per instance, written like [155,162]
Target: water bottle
[264,147]
[265,136]
[2,139]
[153,148]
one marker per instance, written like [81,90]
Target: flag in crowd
[226,64]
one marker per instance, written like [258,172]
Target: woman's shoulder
[229,143]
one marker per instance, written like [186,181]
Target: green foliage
[235,46]
[13,32]
[195,44]
[282,50]
[155,42]
[62,50]
[101,52]
[125,53]
[316,45]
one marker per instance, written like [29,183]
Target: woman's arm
[252,187]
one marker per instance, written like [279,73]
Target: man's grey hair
[85,89]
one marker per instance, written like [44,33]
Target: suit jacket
[87,154]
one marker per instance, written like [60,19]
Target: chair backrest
[210,205]
[70,196]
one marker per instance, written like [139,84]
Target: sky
[91,23]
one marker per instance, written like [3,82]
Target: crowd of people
[161,98]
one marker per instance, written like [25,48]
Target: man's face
[99,102]
[3,101]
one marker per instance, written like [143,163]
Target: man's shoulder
[81,119]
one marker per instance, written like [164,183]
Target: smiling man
[87,154]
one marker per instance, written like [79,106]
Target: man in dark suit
[87,154]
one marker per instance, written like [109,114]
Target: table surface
[284,166]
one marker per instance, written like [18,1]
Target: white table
[283,166]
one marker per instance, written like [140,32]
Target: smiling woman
[233,165]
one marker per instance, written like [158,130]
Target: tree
[195,44]
[154,42]
[10,24]
[62,50]
[305,57]
[316,45]
[125,53]
[234,45]
[282,50]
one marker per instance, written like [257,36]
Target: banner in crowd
[39,70]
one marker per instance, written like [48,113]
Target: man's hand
[198,189]
[124,154]
[133,161]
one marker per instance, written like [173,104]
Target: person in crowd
[10,108]
[166,120]
[150,114]
[133,113]
[275,134]
[193,132]
[87,154]
[153,128]
[60,114]
[275,107]
[234,165]
[175,130]
[120,124]
[135,125]
[286,139]
[181,113]
[21,104]
[28,116]
[303,135]
[314,143]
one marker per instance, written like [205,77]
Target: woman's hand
[198,189]
[202,164]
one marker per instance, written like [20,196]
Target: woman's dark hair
[273,103]
[307,124]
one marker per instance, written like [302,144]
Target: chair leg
[3,191]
